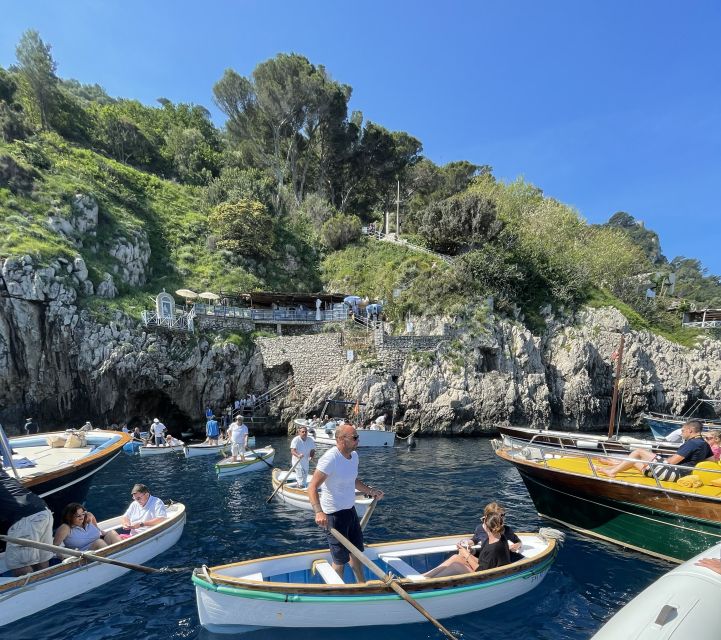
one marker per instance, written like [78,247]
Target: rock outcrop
[62,365]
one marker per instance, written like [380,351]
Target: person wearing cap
[30,427]
[145,510]
[212,430]
[302,449]
[238,434]
[158,430]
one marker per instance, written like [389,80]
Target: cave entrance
[143,406]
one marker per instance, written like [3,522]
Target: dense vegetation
[276,199]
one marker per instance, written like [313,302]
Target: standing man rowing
[337,471]
[302,449]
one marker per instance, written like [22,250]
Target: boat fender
[549,533]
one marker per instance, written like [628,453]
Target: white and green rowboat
[302,590]
[252,462]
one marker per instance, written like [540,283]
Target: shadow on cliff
[143,406]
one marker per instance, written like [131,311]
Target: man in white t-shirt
[302,448]
[158,431]
[238,434]
[144,511]
[337,471]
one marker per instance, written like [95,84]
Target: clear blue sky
[607,106]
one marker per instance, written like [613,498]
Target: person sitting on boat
[675,436]
[480,537]
[87,426]
[137,435]
[80,530]
[714,441]
[302,449]
[170,441]
[329,426]
[212,431]
[337,472]
[158,430]
[694,450]
[124,428]
[144,511]
[24,515]
[379,424]
[494,553]
[238,434]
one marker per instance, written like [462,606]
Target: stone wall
[393,350]
[314,359]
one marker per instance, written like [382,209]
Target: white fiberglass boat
[252,462]
[26,595]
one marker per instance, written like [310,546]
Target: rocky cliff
[62,365]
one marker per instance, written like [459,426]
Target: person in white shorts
[238,434]
[24,515]
[302,448]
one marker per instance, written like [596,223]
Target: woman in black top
[494,553]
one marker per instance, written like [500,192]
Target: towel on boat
[23,463]
[690,482]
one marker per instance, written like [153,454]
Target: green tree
[243,227]
[340,230]
[37,68]
[646,239]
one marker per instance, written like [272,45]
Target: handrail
[518,445]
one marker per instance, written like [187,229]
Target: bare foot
[607,472]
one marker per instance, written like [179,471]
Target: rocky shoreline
[62,366]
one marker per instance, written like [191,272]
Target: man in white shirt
[158,431]
[144,511]
[238,434]
[302,448]
[337,471]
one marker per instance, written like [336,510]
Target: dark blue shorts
[346,521]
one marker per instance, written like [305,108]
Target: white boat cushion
[253,576]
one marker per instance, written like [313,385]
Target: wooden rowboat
[159,450]
[264,460]
[681,604]
[25,595]
[302,590]
[203,449]
[298,498]
[663,519]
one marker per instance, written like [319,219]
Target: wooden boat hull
[662,522]
[70,480]
[585,441]
[298,498]
[28,595]
[688,596]
[236,604]
[251,463]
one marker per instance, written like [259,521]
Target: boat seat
[253,576]
[403,568]
[325,571]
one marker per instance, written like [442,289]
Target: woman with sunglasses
[80,530]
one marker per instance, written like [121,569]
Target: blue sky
[607,106]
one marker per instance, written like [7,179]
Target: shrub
[340,230]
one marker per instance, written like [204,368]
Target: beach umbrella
[186,293]
[209,295]
[352,300]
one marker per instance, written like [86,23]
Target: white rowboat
[367,437]
[159,450]
[251,463]
[202,449]
[302,590]
[26,595]
[681,604]
[298,498]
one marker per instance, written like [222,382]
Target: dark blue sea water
[438,488]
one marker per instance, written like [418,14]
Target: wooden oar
[259,457]
[86,555]
[285,479]
[389,581]
[369,512]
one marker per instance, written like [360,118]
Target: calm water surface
[438,488]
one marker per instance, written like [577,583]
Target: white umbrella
[352,300]
[209,295]
[186,293]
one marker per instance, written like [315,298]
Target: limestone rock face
[62,366]
[132,255]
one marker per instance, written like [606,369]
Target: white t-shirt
[338,490]
[304,447]
[157,429]
[238,432]
[154,508]
[674,436]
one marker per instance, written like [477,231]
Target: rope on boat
[412,433]
[549,533]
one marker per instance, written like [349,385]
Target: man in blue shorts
[337,471]
[212,430]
